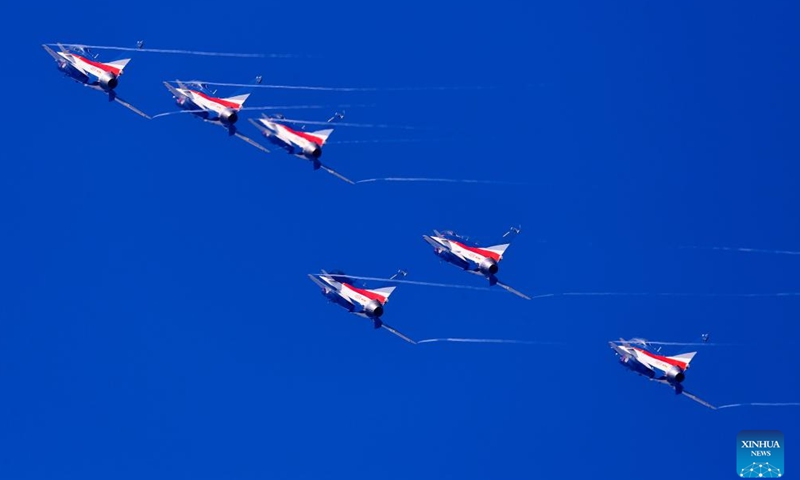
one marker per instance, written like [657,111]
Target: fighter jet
[298,142]
[366,303]
[636,355]
[76,64]
[471,257]
[197,99]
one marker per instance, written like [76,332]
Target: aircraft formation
[81,65]
[349,292]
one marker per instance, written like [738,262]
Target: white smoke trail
[438,180]
[694,344]
[268,107]
[180,52]
[387,140]
[176,112]
[349,89]
[673,294]
[786,404]
[746,250]
[489,340]
[425,284]
[303,107]
[343,124]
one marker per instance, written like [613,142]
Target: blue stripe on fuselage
[73,72]
[186,103]
[337,299]
[658,372]
[449,257]
[635,365]
[290,149]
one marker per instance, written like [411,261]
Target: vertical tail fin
[497,249]
[383,292]
[500,249]
[238,99]
[684,358]
[243,93]
[118,64]
[322,135]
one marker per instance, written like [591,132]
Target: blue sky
[157,319]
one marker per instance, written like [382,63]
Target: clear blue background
[156,316]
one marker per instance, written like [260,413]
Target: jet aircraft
[298,142]
[79,64]
[197,99]
[471,257]
[637,356]
[366,303]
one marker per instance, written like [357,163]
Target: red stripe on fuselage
[101,66]
[307,136]
[366,293]
[479,251]
[671,361]
[224,103]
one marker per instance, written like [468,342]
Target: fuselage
[206,106]
[356,300]
[186,103]
[295,142]
[651,364]
[87,71]
[68,69]
[353,298]
[448,256]
[632,363]
[460,254]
